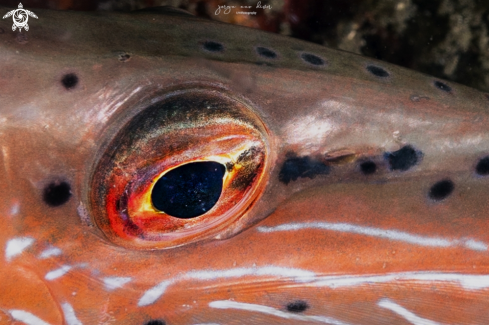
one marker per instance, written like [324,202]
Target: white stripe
[298,275]
[57,273]
[226,304]
[394,235]
[16,246]
[70,316]
[112,283]
[466,281]
[406,314]
[153,294]
[475,245]
[48,252]
[26,317]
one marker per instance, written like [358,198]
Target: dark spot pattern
[155,322]
[404,158]
[441,190]
[295,167]
[266,53]
[190,190]
[57,193]
[312,59]
[69,80]
[124,57]
[377,71]
[297,306]
[442,86]
[482,167]
[212,46]
[368,167]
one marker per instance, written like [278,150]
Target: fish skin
[369,250]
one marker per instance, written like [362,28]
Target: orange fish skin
[319,239]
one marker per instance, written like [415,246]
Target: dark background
[445,38]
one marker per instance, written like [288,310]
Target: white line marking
[395,235]
[51,275]
[475,245]
[406,314]
[298,275]
[153,294]
[26,317]
[226,304]
[112,283]
[466,281]
[16,246]
[48,252]
[70,316]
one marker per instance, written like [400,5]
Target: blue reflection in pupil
[190,190]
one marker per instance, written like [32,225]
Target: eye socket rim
[216,230]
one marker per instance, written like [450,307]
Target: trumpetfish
[157,168]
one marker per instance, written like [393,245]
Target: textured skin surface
[358,249]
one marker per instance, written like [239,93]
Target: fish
[158,168]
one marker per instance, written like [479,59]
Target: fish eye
[186,168]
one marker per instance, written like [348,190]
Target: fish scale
[297,222]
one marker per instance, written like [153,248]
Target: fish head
[162,169]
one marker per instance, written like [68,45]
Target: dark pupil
[190,190]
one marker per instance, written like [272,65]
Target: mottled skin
[49,133]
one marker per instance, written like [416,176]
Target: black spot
[190,190]
[441,190]
[368,167]
[155,322]
[297,306]
[404,158]
[377,71]
[57,193]
[442,86]
[312,59]
[213,46]
[482,167]
[69,80]
[295,167]
[124,57]
[266,53]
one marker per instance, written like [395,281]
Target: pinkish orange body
[354,191]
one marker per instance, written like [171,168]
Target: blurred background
[445,38]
